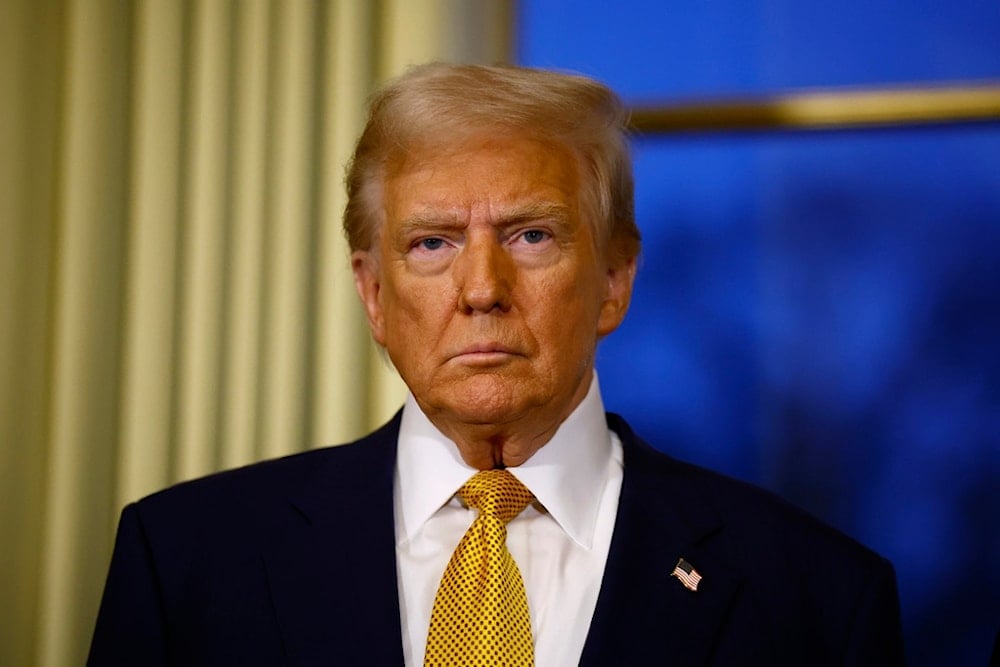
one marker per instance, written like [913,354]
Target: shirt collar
[567,475]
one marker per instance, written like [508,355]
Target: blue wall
[819,313]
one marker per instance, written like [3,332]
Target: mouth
[485,354]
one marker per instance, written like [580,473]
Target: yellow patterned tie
[480,614]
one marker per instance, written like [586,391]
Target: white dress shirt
[560,543]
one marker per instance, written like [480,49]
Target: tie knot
[496,493]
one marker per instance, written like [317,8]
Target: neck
[486,446]
[508,444]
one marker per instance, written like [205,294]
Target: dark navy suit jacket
[293,562]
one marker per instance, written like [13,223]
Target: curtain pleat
[205,223]
[32,46]
[152,276]
[243,313]
[342,348]
[86,322]
[175,287]
[290,210]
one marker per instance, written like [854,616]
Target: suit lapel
[644,614]
[332,574]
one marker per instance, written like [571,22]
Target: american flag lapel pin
[687,575]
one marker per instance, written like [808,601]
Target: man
[493,246]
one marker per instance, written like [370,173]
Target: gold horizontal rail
[827,110]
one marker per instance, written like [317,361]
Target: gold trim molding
[827,110]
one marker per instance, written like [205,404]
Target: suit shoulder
[252,488]
[762,515]
[751,515]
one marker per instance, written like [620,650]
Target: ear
[369,285]
[620,277]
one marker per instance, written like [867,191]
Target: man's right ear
[368,283]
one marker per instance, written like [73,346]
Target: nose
[484,273]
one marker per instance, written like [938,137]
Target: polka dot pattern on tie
[480,614]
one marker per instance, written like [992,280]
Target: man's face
[486,288]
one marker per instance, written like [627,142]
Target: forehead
[481,176]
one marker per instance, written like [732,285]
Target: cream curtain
[174,291]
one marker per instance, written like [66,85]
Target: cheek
[567,317]
[414,310]
[577,299]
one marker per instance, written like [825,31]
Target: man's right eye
[432,243]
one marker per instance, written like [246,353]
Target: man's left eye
[534,236]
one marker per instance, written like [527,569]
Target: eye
[432,243]
[534,236]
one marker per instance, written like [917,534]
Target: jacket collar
[332,574]
[644,613]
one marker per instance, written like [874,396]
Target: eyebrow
[535,211]
[513,215]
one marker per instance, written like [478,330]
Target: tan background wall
[174,291]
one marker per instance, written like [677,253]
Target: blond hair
[444,104]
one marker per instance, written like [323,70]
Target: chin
[486,399]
